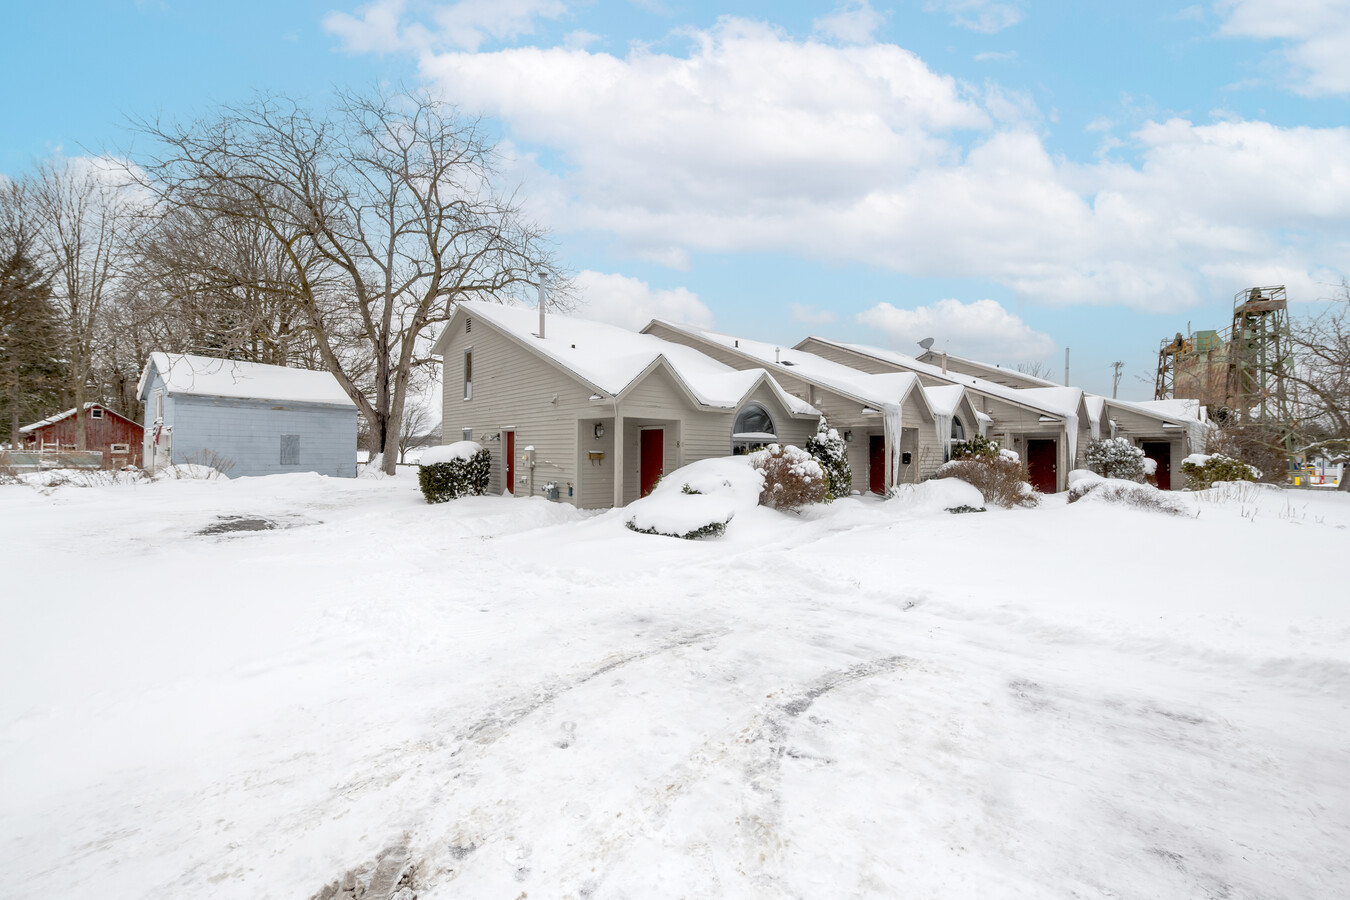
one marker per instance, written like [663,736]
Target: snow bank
[448,452]
[697,500]
[939,495]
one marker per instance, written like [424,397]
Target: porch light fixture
[599,430]
[848,437]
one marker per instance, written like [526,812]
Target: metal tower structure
[1260,360]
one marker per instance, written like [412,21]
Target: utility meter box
[551,491]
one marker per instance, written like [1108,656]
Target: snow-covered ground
[872,699]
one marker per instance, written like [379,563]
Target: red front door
[510,453]
[1161,453]
[653,458]
[1042,465]
[876,464]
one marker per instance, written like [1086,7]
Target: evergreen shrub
[455,478]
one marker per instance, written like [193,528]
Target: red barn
[115,436]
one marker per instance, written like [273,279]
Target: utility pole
[1115,384]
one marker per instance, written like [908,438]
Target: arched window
[958,430]
[753,429]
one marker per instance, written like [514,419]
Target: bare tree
[384,212]
[414,428]
[1036,370]
[1322,373]
[82,216]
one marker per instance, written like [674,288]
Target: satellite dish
[926,343]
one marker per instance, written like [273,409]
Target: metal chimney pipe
[944,362]
[543,299]
[1066,366]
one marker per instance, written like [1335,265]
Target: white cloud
[982,330]
[809,315]
[985,16]
[754,142]
[996,56]
[380,26]
[631,303]
[853,22]
[1316,33]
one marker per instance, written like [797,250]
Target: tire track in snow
[498,722]
[756,750]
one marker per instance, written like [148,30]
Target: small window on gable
[96,413]
[468,374]
[159,405]
[290,449]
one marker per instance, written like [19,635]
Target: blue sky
[1008,177]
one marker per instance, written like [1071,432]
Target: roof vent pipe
[778,354]
[944,362]
[543,299]
[1066,366]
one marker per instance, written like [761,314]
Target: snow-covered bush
[1259,446]
[1115,458]
[454,470]
[1127,493]
[1202,471]
[831,452]
[792,477]
[977,447]
[696,501]
[939,495]
[999,479]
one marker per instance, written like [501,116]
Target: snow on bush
[1127,493]
[940,495]
[1115,458]
[999,479]
[792,477]
[455,470]
[697,501]
[831,452]
[977,447]
[1203,471]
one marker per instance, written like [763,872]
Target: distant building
[111,434]
[245,418]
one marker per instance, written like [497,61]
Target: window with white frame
[466,434]
[468,374]
[96,413]
[159,405]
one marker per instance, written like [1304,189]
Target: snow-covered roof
[1056,401]
[944,399]
[209,376]
[994,370]
[1177,408]
[53,420]
[609,358]
[876,390]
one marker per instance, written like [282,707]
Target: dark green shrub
[1201,476]
[712,529]
[831,452]
[457,478]
[977,447]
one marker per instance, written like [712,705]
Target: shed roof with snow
[205,376]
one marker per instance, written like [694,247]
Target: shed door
[876,463]
[653,458]
[510,454]
[1042,464]
[1161,453]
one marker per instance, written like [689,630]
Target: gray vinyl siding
[249,434]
